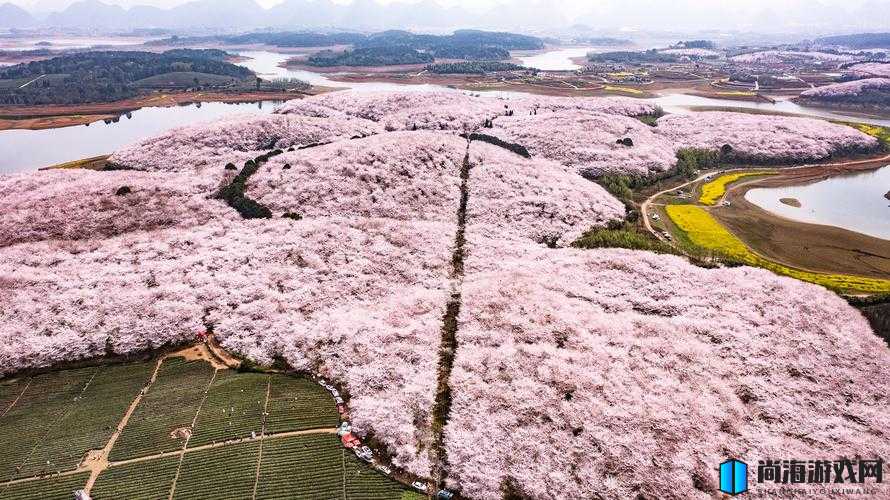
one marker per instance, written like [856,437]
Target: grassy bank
[704,231]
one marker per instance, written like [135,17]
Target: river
[855,202]
[23,150]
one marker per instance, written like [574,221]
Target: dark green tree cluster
[370,56]
[103,76]
[626,57]
[474,67]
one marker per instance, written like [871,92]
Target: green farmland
[187,431]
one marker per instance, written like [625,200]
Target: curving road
[644,207]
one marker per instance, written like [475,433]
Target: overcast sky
[747,15]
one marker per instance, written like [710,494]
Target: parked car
[655,217]
[384,469]
[417,485]
[344,428]
[444,495]
[350,441]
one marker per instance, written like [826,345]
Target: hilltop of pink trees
[847,89]
[359,301]
[455,111]
[588,141]
[788,56]
[535,199]
[416,175]
[83,204]
[764,138]
[871,70]
[571,364]
[625,106]
[207,148]
[586,374]
[404,110]
[695,52]
[402,175]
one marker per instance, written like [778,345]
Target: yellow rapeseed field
[628,90]
[714,190]
[704,231]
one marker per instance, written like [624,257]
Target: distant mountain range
[802,17]
[247,14]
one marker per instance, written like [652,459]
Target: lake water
[556,60]
[22,150]
[69,43]
[855,202]
[268,65]
[682,103]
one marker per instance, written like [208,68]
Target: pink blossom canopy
[577,373]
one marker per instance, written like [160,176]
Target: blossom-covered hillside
[403,110]
[765,138]
[589,141]
[599,374]
[871,70]
[402,175]
[788,56]
[395,261]
[83,204]
[205,149]
[848,89]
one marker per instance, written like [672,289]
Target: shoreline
[41,117]
[804,245]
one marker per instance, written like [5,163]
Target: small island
[791,202]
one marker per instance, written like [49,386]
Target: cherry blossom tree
[571,365]
[764,138]
[847,89]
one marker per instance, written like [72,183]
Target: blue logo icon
[733,477]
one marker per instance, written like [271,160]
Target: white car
[419,486]
[384,469]
[655,217]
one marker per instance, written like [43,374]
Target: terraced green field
[226,473]
[50,421]
[297,404]
[303,467]
[46,401]
[145,480]
[90,420]
[170,404]
[233,409]
[54,488]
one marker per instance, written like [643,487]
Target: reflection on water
[69,43]
[267,65]
[29,149]
[556,60]
[855,202]
[22,150]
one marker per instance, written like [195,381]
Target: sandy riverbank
[802,245]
